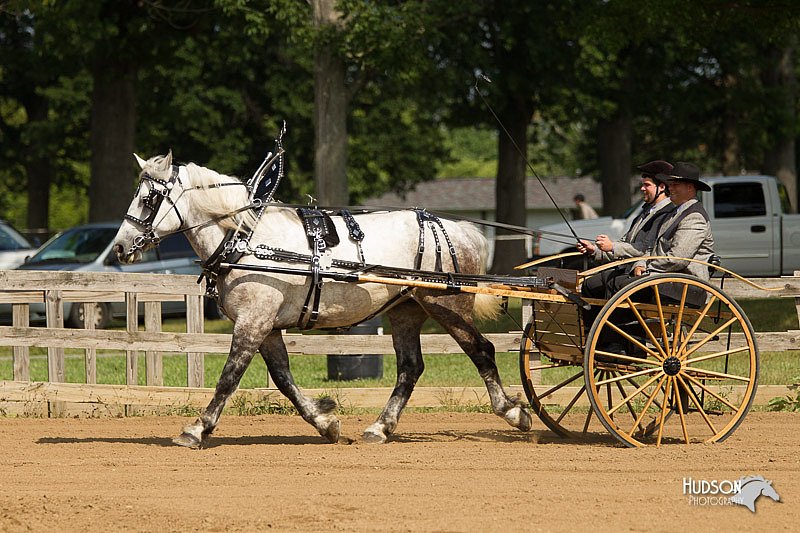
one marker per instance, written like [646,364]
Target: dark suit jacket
[640,237]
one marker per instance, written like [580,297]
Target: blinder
[153,202]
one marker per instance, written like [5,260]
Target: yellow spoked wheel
[671,358]
[553,377]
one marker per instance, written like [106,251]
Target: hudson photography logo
[743,491]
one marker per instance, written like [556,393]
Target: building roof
[478,194]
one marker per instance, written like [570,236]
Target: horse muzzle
[124,257]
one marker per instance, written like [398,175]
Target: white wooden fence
[55,397]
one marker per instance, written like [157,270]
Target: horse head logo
[751,488]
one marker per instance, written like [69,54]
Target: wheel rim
[659,387]
[556,388]
[99,315]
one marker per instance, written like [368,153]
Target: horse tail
[487,307]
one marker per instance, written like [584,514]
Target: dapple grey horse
[195,200]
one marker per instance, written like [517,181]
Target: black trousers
[605,285]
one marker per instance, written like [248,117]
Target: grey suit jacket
[640,237]
[692,239]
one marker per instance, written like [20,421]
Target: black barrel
[349,367]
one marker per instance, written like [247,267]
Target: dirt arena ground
[442,472]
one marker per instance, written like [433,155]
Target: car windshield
[631,209]
[10,239]
[77,245]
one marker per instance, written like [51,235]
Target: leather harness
[322,235]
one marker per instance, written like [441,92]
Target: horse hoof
[373,437]
[519,418]
[332,432]
[187,440]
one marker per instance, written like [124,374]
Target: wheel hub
[672,366]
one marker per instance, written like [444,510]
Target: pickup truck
[754,232]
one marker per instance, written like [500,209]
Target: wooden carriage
[649,368]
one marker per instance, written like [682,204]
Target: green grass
[776,314]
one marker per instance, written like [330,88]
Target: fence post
[195,367]
[54,311]
[90,356]
[797,298]
[132,320]
[154,365]
[21,319]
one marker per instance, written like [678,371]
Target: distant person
[583,211]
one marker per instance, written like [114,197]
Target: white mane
[220,201]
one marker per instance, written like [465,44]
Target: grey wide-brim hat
[686,172]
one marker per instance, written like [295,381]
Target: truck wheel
[102,316]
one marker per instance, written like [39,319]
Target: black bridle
[160,191]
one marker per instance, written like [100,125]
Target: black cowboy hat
[686,172]
[656,167]
[653,169]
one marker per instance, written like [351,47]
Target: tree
[523,48]
[44,101]
[781,85]
[330,106]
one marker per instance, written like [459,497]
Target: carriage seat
[716,261]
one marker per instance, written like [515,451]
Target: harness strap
[421,245]
[309,315]
[438,266]
[354,230]
[422,217]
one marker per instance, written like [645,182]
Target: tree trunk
[510,191]
[731,148]
[39,169]
[330,113]
[730,145]
[111,138]
[614,158]
[780,159]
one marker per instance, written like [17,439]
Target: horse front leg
[196,434]
[319,413]
[406,320]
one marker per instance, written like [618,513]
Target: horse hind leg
[454,313]
[319,413]
[406,320]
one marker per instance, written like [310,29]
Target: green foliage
[770,314]
[790,402]
[215,79]
[473,153]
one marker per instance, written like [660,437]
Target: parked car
[87,248]
[14,248]
[754,232]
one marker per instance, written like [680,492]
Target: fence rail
[21,289]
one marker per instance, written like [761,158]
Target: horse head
[153,212]
[769,491]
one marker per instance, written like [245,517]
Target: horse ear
[168,159]
[140,161]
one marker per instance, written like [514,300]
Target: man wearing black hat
[639,238]
[686,234]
